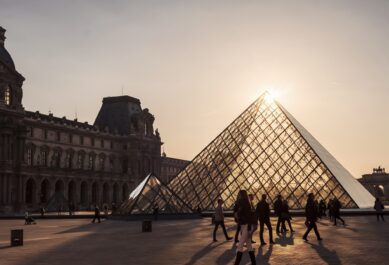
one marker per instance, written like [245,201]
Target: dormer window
[7,96]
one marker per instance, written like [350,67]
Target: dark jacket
[263,211]
[278,207]
[97,211]
[244,213]
[336,206]
[311,211]
[285,211]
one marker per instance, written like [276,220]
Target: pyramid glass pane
[151,193]
[266,151]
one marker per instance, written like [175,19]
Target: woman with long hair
[246,219]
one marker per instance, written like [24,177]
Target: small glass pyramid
[152,193]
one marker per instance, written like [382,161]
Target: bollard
[16,237]
[146,226]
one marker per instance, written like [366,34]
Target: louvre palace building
[48,161]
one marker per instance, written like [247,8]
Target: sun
[269,98]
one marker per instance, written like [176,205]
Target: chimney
[2,36]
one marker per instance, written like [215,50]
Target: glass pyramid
[151,192]
[266,151]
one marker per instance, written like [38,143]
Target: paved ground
[56,242]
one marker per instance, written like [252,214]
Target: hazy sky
[197,64]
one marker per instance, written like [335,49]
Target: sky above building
[198,64]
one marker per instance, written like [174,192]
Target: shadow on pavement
[327,255]
[227,256]
[284,240]
[204,251]
[264,257]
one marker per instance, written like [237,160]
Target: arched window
[72,192]
[95,193]
[7,95]
[105,193]
[30,191]
[45,187]
[84,193]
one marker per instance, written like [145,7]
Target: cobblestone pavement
[56,242]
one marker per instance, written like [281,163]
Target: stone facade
[52,162]
[170,167]
[377,183]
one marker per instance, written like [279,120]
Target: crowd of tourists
[248,217]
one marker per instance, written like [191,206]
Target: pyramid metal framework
[151,192]
[266,151]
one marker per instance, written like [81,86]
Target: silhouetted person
[263,213]
[59,209]
[97,214]
[330,209]
[28,219]
[43,212]
[246,219]
[379,208]
[286,217]
[235,212]
[336,205]
[106,211]
[199,210]
[311,217]
[219,220]
[156,212]
[322,208]
[278,211]
[255,225]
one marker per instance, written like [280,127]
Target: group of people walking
[247,217]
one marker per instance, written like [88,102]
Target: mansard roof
[116,113]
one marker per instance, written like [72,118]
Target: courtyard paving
[77,241]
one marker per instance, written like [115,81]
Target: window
[7,96]
[46,134]
[59,136]
[80,161]
[102,143]
[102,161]
[111,164]
[31,132]
[91,162]
[43,158]
[111,144]
[29,156]
[57,159]
[92,141]
[70,138]
[81,139]
[68,160]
